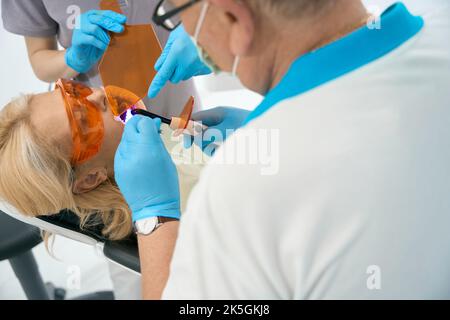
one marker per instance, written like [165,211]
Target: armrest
[16,237]
[125,253]
[67,224]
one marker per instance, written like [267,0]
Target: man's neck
[299,39]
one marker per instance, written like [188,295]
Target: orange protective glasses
[85,120]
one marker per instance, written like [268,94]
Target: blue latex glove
[90,39]
[218,121]
[179,61]
[145,172]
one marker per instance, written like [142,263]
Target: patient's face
[49,116]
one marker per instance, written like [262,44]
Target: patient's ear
[89,180]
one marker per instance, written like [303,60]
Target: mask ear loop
[201,19]
[235,66]
[198,28]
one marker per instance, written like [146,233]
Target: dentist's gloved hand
[179,61]
[145,172]
[221,123]
[90,39]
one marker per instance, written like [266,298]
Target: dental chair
[20,234]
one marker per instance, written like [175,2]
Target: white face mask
[206,59]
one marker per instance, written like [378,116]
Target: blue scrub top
[357,49]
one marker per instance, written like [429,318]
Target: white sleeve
[237,238]
[246,235]
[221,238]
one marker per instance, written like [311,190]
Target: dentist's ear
[90,180]
[242,25]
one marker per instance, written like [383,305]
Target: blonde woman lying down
[47,166]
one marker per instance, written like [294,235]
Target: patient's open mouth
[127,115]
[122,101]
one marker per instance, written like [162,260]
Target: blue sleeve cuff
[152,212]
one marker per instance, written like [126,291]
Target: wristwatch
[146,227]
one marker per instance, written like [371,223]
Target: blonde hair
[37,179]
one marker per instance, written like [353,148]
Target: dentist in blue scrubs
[335,187]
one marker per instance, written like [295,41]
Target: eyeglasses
[85,118]
[166,15]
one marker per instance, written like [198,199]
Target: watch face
[146,226]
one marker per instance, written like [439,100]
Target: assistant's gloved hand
[145,172]
[221,123]
[90,39]
[179,61]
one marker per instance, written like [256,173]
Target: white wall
[418,7]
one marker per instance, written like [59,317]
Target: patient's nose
[98,97]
